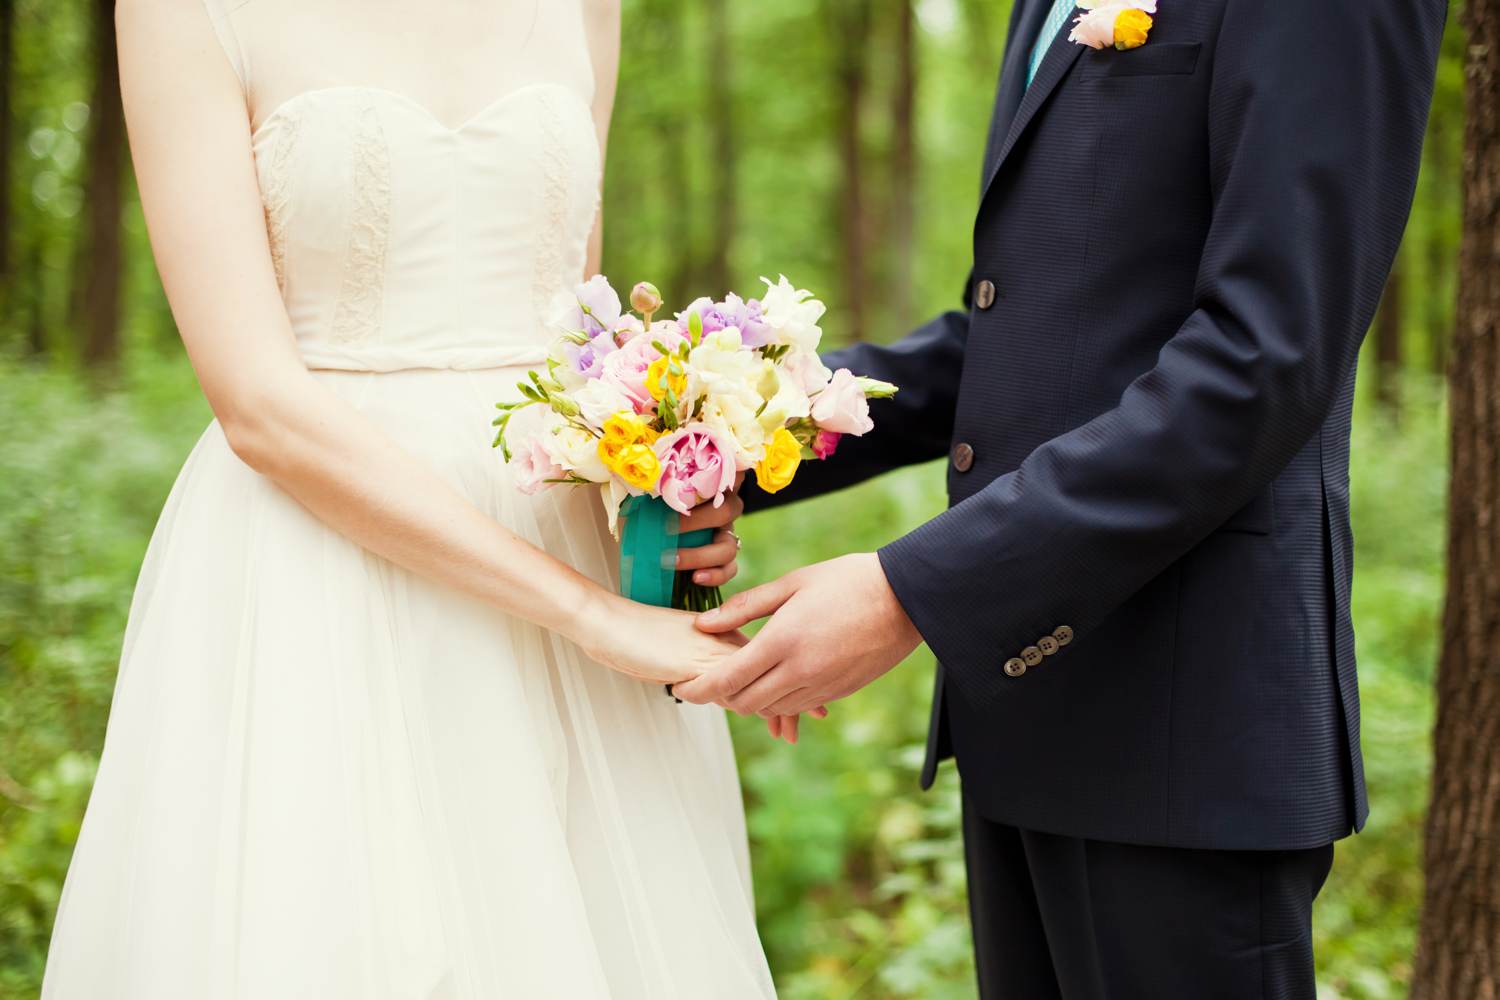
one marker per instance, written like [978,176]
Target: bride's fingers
[773,726]
[708,516]
[718,576]
[719,552]
[821,712]
[789,729]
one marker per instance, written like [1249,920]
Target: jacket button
[984,294]
[1031,655]
[1047,645]
[963,456]
[1063,635]
[1015,667]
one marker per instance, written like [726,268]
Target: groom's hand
[835,627]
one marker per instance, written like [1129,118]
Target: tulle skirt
[325,777]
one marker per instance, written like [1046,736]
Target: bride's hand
[657,645]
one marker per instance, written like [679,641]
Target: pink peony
[697,464]
[625,369]
[842,407]
[826,443]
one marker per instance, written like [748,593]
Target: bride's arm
[602,24]
[190,141]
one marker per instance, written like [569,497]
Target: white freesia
[599,400]
[575,450]
[792,314]
[785,398]
[734,417]
[720,366]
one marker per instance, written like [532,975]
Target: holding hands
[834,627]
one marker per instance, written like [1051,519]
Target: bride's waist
[355,356]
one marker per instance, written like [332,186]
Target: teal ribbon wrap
[649,541]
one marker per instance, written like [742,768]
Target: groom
[1140,595]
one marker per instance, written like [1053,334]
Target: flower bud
[645,298]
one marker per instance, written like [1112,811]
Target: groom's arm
[1315,121]
[1313,172]
[913,426]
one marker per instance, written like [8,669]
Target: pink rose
[697,464]
[530,462]
[842,407]
[826,443]
[625,369]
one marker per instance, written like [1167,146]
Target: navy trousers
[1063,918]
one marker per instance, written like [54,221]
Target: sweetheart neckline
[282,109]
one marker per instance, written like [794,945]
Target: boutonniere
[1121,23]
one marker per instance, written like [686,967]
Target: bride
[381,727]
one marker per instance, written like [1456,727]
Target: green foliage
[859,876]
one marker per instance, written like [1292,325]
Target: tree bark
[904,166]
[1388,326]
[723,183]
[7,137]
[851,30]
[1458,952]
[98,269]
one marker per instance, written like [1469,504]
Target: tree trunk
[904,166]
[98,269]
[723,182]
[1458,952]
[1388,326]
[851,29]
[7,139]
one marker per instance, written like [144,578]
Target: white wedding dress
[326,777]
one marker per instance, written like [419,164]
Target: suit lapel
[1061,54]
[1025,21]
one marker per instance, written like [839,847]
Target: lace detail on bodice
[551,229]
[362,290]
[276,194]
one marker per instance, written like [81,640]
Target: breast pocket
[1162,59]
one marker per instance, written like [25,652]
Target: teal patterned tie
[1061,10]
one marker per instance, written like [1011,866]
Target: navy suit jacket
[1146,399]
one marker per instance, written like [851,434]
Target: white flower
[734,417]
[792,314]
[721,366]
[785,398]
[576,450]
[599,400]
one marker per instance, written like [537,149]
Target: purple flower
[595,308]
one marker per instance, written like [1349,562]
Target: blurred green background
[835,140]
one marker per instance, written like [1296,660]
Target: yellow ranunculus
[659,378]
[620,432]
[638,466]
[783,455]
[1131,28]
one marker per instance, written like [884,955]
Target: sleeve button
[1031,655]
[1048,645]
[1063,634]
[1015,667]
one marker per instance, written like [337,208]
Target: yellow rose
[620,432]
[783,455]
[659,378]
[638,466]
[1131,28]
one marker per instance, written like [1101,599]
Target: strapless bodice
[400,241]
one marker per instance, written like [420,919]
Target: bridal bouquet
[664,414]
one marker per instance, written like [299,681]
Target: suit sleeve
[1315,123]
[913,426]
